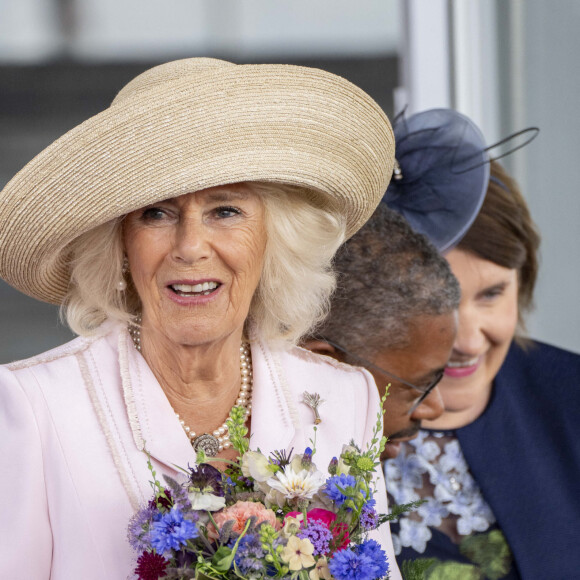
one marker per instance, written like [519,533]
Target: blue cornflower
[250,556]
[348,565]
[171,531]
[373,551]
[318,534]
[335,486]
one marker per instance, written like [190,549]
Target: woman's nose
[430,408]
[470,337]
[192,242]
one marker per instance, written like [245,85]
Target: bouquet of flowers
[264,517]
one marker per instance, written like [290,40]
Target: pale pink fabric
[73,469]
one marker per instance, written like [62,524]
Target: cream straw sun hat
[185,126]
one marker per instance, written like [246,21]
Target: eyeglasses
[371,366]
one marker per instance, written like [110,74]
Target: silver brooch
[207,443]
[313,400]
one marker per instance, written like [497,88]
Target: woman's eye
[492,293]
[227,211]
[153,214]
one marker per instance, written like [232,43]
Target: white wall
[550,98]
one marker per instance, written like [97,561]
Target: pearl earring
[122,284]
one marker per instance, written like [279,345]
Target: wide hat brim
[183,127]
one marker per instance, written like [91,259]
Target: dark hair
[503,232]
[387,276]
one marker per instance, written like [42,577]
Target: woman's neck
[202,382]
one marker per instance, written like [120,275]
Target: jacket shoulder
[303,354]
[319,372]
[541,359]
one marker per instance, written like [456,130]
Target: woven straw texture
[186,126]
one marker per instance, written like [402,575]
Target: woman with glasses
[499,468]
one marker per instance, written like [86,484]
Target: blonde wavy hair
[293,294]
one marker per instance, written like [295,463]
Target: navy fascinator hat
[442,174]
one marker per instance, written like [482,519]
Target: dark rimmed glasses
[425,391]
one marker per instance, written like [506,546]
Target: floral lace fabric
[432,467]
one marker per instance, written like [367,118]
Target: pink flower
[240,513]
[339,531]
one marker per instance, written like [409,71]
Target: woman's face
[196,261]
[488,316]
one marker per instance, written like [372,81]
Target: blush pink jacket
[74,424]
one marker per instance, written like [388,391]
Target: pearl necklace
[212,443]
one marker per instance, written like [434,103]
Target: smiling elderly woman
[188,232]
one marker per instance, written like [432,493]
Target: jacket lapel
[155,427]
[274,416]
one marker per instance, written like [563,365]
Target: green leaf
[203,576]
[400,508]
[490,551]
[415,569]
[453,571]
[223,558]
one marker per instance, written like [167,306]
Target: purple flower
[318,534]
[171,531]
[181,500]
[139,527]
[206,479]
[250,556]
[336,485]
[369,518]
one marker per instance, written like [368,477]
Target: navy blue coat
[524,452]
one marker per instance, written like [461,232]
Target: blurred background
[507,64]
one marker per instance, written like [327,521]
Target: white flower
[206,501]
[292,525]
[298,553]
[320,570]
[297,484]
[272,497]
[256,466]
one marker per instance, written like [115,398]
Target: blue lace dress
[455,523]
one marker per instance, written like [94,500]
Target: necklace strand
[212,443]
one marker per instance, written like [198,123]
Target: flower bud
[332,466]
[307,458]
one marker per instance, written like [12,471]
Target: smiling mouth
[462,364]
[195,290]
